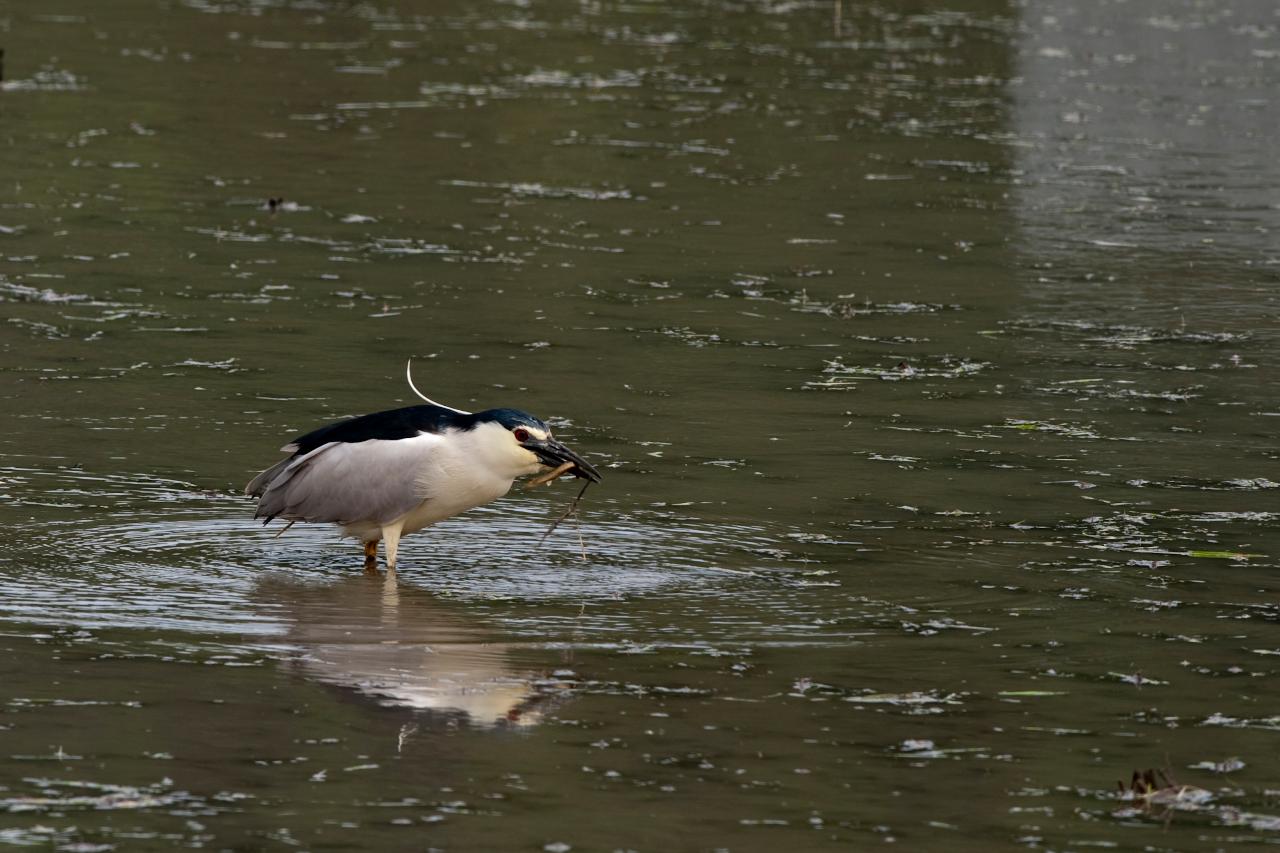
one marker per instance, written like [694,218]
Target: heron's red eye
[521,434]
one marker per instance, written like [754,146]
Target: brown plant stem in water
[573,508]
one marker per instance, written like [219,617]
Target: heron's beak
[553,454]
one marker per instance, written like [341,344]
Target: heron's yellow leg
[371,556]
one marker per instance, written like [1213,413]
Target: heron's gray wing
[259,484]
[346,482]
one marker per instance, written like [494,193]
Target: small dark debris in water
[274,204]
[1158,788]
[1142,783]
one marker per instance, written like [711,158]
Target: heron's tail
[259,484]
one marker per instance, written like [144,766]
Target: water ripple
[162,554]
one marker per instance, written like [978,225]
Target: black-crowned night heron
[383,475]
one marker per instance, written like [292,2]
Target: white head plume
[408,374]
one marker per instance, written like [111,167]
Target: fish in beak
[553,454]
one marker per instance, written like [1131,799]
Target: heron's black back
[388,426]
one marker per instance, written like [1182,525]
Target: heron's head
[530,444]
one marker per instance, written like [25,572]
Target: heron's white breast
[466,469]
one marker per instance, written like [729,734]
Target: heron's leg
[371,555]
[391,535]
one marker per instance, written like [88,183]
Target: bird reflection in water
[401,647]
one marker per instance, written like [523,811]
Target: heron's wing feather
[259,484]
[347,482]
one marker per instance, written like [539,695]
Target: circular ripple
[162,555]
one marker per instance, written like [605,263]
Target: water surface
[928,352]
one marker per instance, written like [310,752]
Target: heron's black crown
[510,418]
[408,423]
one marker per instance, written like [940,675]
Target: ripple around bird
[159,554]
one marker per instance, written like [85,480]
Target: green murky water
[929,351]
